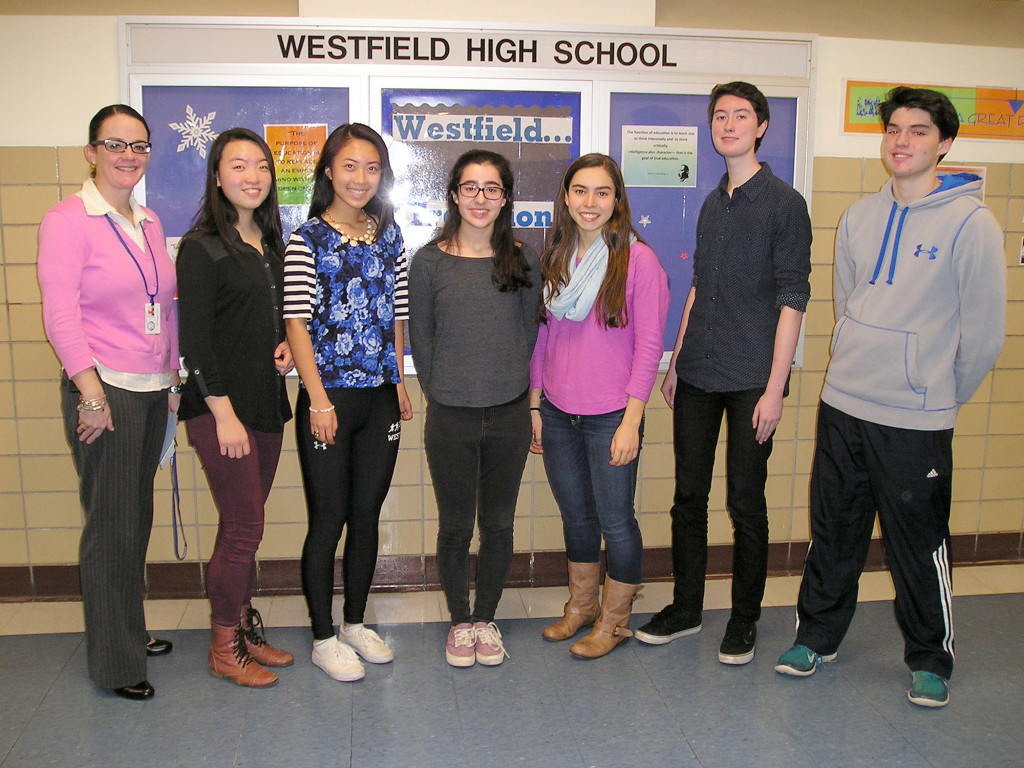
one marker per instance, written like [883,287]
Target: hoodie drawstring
[895,244]
[885,242]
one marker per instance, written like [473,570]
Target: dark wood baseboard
[413,573]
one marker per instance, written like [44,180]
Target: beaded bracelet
[320,410]
[96,404]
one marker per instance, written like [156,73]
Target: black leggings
[346,484]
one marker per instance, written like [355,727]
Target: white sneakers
[336,656]
[338,660]
[367,643]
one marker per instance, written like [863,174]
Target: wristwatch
[175,389]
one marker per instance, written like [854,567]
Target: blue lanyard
[152,256]
[176,522]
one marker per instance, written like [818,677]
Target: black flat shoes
[144,690]
[138,692]
[157,647]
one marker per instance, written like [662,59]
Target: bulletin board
[428,129]
[540,95]
[185,119]
[665,202]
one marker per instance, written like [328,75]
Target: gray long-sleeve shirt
[471,343]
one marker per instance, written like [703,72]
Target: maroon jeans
[240,488]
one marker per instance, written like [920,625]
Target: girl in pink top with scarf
[605,302]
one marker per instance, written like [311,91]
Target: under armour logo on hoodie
[930,251]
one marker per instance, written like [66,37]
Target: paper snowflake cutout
[195,131]
[645,220]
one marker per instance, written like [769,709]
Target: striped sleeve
[401,284]
[299,279]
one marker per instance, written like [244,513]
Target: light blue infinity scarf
[576,299]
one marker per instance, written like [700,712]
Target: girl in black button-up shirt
[230,275]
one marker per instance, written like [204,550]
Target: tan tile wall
[40,517]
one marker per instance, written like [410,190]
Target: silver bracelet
[320,410]
[91,406]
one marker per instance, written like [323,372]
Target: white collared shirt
[97,205]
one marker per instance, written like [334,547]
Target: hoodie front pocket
[876,364]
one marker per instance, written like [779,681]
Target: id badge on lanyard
[152,323]
[151,310]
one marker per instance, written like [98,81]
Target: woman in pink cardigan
[108,290]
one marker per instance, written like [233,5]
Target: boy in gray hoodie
[920,302]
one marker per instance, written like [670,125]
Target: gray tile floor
[652,706]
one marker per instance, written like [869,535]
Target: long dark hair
[379,205]
[216,214]
[618,233]
[510,271]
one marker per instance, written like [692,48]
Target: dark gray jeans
[476,458]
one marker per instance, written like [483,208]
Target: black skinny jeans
[346,484]
[476,458]
[697,420]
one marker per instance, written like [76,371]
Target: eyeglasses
[469,189]
[118,146]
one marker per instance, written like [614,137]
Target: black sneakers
[738,644]
[673,622]
[668,624]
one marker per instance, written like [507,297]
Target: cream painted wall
[636,13]
[59,69]
[56,72]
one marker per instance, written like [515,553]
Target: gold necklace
[367,237]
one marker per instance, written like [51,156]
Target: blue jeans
[594,497]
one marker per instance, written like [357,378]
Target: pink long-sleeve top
[94,298]
[587,369]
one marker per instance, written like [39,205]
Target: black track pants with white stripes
[906,476]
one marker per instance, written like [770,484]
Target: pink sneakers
[460,650]
[490,651]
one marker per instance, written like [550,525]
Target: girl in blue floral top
[344,307]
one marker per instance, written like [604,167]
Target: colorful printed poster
[296,149]
[985,113]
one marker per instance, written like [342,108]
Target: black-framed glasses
[470,189]
[118,146]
